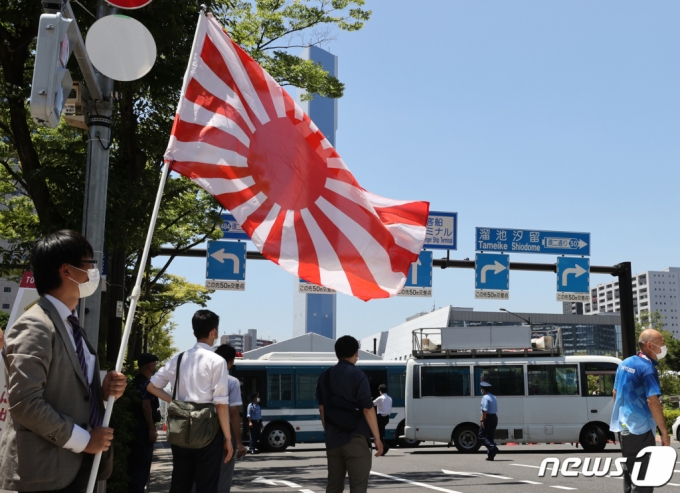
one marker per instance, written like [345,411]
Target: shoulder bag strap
[174,389]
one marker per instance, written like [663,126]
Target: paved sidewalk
[161,467]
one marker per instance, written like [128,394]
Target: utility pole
[96,185]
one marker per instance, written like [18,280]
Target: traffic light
[52,81]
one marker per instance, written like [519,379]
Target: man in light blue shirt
[489,420]
[254,414]
[637,409]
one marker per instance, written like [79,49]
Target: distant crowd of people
[56,398]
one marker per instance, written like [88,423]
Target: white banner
[27,296]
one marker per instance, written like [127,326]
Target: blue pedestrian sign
[226,266]
[531,241]
[492,276]
[419,280]
[231,229]
[573,279]
[442,231]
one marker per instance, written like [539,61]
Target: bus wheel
[276,438]
[466,438]
[405,442]
[593,438]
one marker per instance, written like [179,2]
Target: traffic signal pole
[96,185]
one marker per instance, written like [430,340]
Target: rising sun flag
[242,138]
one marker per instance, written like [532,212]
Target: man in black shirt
[147,415]
[348,418]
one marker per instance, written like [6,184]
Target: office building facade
[653,291]
[245,342]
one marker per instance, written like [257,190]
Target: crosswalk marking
[415,483]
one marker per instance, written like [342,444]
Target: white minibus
[542,397]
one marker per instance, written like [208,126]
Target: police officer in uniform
[489,421]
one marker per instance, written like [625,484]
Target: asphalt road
[428,468]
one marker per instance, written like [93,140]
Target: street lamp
[528,321]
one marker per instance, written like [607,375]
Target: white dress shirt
[79,437]
[384,403]
[203,376]
[234,392]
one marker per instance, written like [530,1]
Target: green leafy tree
[4,318]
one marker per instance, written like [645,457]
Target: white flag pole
[137,290]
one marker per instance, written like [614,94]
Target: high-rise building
[653,291]
[315,312]
[572,308]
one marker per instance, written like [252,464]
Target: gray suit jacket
[48,393]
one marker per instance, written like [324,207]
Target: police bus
[543,396]
[286,383]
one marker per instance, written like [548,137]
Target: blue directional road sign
[419,280]
[492,276]
[531,241]
[442,231]
[226,266]
[231,229]
[573,279]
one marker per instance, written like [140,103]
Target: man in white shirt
[203,379]
[227,470]
[384,405]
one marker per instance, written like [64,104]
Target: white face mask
[257,400]
[663,353]
[88,288]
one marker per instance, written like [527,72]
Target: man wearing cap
[147,414]
[489,421]
[254,414]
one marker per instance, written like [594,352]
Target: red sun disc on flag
[129,4]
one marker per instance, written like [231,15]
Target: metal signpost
[231,229]
[442,231]
[419,280]
[531,241]
[226,266]
[492,276]
[573,279]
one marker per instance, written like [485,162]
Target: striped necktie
[95,418]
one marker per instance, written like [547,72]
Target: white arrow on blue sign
[419,280]
[492,276]
[573,279]
[226,266]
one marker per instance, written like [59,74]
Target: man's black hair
[382,388]
[346,347]
[227,351]
[54,250]
[203,322]
[254,394]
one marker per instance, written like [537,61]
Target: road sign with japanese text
[419,280]
[231,229]
[492,276]
[573,279]
[531,241]
[442,231]
[226,266]
[311,288]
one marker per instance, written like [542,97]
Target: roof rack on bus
[486,342]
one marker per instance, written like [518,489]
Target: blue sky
[526,114]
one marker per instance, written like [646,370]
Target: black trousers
[382,424]
[201,466]
[255,434]
[139,461]
[79,484]
[630,446]
[486,433]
